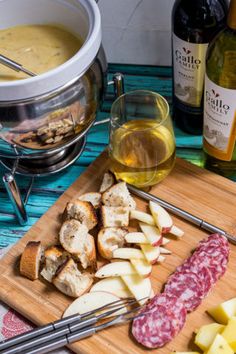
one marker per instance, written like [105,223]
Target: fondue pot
[43,119]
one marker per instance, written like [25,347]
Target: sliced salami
[187,287]
[160,324]
[165,314]
[206,280]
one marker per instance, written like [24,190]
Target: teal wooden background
[46,190]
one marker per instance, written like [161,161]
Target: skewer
[72,332]
[14,65]
[70,320]
[182,213]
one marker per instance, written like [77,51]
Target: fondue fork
[182,213]
[14,65]
[72,332]
[53,327]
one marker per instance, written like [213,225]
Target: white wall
[137,31]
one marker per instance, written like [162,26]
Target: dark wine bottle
[194,24]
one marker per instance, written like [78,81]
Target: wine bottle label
[189,70]
[219,120]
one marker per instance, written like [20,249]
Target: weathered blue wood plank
[46,190]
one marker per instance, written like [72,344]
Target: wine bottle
[220,100]
[194,24]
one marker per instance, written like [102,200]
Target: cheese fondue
[38,48]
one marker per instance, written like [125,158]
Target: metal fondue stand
[45,163]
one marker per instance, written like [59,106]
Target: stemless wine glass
[142,142]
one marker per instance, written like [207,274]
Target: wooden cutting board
[196,190]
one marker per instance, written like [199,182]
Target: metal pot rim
[62,75]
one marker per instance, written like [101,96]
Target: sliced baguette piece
[114,285]
[115,216]
[70,281]
[30,260]
[118,196]
[73,235]
[93,197]
[108,181]
[87,254]
[54,257]
[143,217]
[109,239]
[115,269]
[82,211]
[136,237]
[128,253]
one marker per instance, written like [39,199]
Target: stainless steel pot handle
[15,197]
[118,82]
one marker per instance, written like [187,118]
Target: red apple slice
[161,259]
[164,251]
[165,241]
[162,219]
[141,216]
[142,267]
[92,301]
[152,234]
[139,287]
[136,237]
[114,285]
[115,269]
[176,231]
[151,253]
[128,253]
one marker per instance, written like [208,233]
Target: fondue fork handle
[14,65]
[15,197]
[182,213]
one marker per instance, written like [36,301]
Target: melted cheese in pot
[38,48]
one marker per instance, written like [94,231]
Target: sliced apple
[92,301]
[136,237]
[115,269]
[176,231]
[161,259]
[139,287]
[164,251]
[128,253]
[165,240]
[142,267]
[162,219]
[151,253]
[152,234]
[141,216]
[114,285]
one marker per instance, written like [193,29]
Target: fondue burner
[38,167]
[45,165]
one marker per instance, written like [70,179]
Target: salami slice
[187,287]
[206,280]
[165,315]
[216,263]
[160,323]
